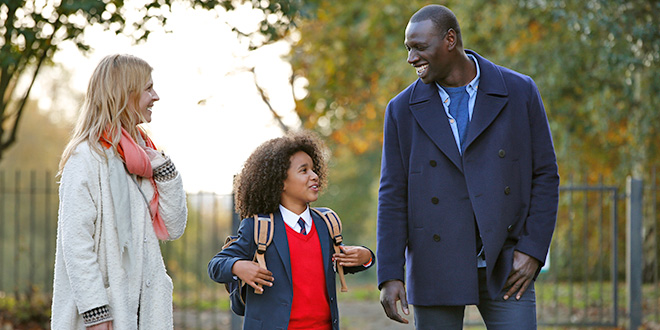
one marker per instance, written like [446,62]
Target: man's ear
[451,39]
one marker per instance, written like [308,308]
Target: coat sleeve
[172,206]
[392,223]
[219,268]
[544,197]
[78,212]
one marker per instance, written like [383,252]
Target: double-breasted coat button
[501,153]
[148,282]
[507,190]
[433,163]
[436,237]
[510,228]
[435,200]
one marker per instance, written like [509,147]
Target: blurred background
[234,73]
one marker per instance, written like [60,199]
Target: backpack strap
[333,223]
[263,236]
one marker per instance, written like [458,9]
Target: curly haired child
[297,291]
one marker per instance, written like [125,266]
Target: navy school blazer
[430,195]
[271,310]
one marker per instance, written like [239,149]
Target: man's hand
[522,274]
[250,273]
[391,292]
[101,326]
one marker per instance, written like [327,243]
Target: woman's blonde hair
[111,102]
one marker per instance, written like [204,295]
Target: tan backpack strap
[333,223]
[263,236]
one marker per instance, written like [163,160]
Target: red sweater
[309,309]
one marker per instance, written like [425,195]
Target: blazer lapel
[427,108]
[282,243]
[492,96]
[324,239]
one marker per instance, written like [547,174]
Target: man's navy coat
[430,195]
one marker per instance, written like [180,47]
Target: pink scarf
[137,162]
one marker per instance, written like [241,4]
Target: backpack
[263,236]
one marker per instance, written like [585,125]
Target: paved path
[354,315]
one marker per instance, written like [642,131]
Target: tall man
[469,185]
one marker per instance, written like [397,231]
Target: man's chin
[426,80]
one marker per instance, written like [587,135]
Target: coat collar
[282,243]
[427,108]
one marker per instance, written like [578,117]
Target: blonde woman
[118,197]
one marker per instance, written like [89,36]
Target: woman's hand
[352,256]
[101,326]
[155,157]
[250,273]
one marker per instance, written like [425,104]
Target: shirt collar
[291,219]
[474,84]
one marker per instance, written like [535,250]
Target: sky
[210,116]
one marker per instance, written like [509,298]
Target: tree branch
[19,111]
[266,100]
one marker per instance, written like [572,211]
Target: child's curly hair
[258,188]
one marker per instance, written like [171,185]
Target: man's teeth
[422,68]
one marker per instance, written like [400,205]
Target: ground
[354,315]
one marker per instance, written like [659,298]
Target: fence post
[634,192]
[235,320]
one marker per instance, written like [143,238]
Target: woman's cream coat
[91,270]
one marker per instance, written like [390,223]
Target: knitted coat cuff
[165,172]
[96,316]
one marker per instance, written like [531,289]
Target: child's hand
[250,273]
[352,256]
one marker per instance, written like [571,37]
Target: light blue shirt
[471,89]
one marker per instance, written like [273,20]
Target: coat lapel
[429,112]
[282,243]
[492,96]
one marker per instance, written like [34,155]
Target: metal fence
[584,284]
[581,283]
[651,251]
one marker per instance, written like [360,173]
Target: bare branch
[12,137]
[266,100]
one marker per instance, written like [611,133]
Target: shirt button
[507,190]
[435,200]
[501,153]
[436,237]
[451,121]
[433,163]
